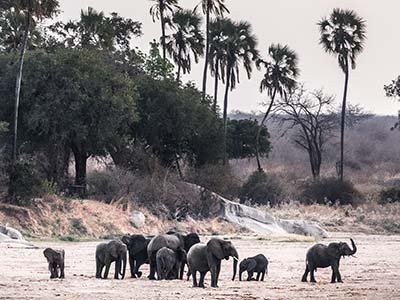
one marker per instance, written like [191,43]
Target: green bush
[330,191]
[102,185]
[389,195]
[26,183]
[263,189]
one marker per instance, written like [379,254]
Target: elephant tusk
[235,258]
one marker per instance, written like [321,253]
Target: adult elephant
[172,241]
[107,253]
[137,248]
[207,257]
[323,256]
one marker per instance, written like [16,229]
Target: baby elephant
[322,256]
[169,262]
[256,264]
[55,258]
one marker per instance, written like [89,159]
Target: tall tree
[33,11]
[280,76]
[159,11]
[187,40]
[216,8]
[343,35]
[240,49]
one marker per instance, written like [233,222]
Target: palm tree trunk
[18,85]
[225,114]
[343,120]
[178,73]
[216,85]
[260,169]
[162,19]
[206,57]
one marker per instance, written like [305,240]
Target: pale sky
[291,22]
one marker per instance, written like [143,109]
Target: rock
[8,242]
[11,232]
[256,220]
[137,219]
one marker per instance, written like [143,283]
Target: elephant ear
[334,250]
[190,240]
[215,247]
[252,264]
[126,239]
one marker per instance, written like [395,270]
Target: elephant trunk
[123,266]
[235,257]
[354,247]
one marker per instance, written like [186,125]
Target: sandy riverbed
[374,274]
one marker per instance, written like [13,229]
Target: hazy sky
[292,22]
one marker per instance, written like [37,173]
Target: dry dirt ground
[373,274]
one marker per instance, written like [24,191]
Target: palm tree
[33,11]
[216,8]
[158,11]
[343,35]
[186,40]
[216,56]
[280,76]
[239,49]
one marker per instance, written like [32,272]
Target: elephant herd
[168,254]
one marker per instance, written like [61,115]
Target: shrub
[26,183]
[102,185]
[217,178]
[389,195]
[261,188]
[329,191]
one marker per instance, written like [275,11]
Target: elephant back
[164,240]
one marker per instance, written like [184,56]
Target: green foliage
[390,195]
[263,189]
[176,123]
[155,66]
[26,183]
[393,89]
[330,191]
[241,139]
[102,186]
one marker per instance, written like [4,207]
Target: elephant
[172,241]
[169,262]
[106,253]
[137,248]
[256,264]
[207,257]
[322,256]
[55,259]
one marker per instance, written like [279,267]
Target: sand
[373,274]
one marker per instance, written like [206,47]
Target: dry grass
[367,218]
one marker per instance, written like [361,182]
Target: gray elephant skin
[172,241]
[137,248]
[256,264]
[169,262]
[207,257]
[322,256]
[55,259]
[107,253]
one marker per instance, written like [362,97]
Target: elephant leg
[335,271]
[62,275]
[312,278]
[153,265]
[262,276]
[138,263]
[108,265]
[250,275]
[202,275]
[53,272]
[99,268]
[117,268]
[194,278]
[160,274]
[188,275]
[258,276]
[333,278]
[304,278]
[182,270]
[132,266]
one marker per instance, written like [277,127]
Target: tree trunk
[178,74]
[342,125]
[81,157]
[162,19]
[18,85]
[206,58]
[260,169]
[225,114]
[216,85]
